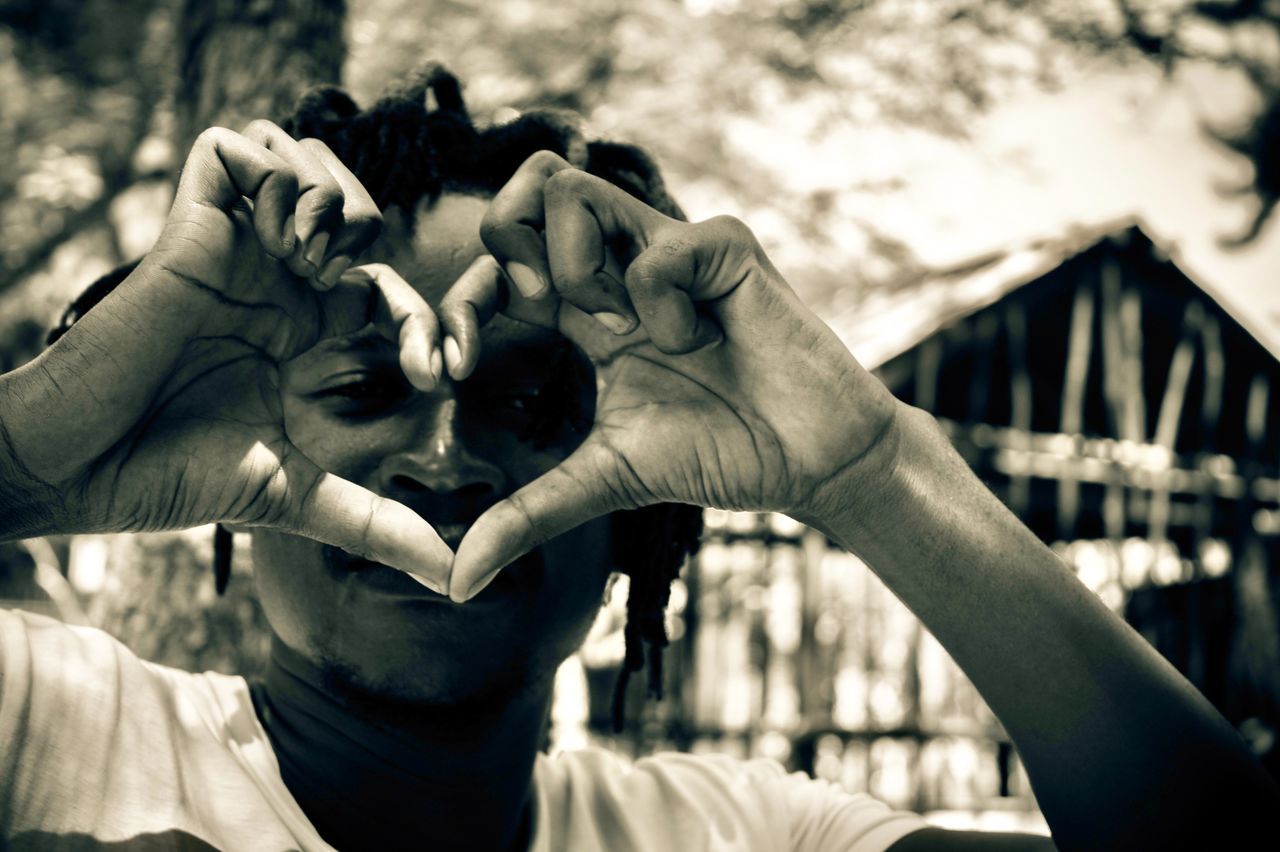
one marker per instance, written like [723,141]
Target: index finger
[361,218]
[376,294]
[512,227]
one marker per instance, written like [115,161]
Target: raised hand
[160,408]
[720,388]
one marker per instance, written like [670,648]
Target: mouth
[452,534]
[516,580]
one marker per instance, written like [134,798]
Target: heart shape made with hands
[717,386]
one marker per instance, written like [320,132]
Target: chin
[434,685]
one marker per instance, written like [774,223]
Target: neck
[373,773]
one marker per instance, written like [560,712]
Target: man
[525,349]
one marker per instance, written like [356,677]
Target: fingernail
[452,354]
[314,254]
[616,323]
[437,363]
[427,582]
[423,377]
[287,236]
[527,281]
[333,271]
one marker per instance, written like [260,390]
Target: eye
[361,394]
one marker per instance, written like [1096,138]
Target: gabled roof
[887,324]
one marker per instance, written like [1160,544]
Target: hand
[162,406]
[720,388]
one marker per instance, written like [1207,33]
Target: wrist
[861,486]
[878,498]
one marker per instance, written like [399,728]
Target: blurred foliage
[1242,36]
[160,601]
[83,85]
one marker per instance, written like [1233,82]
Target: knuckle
[565,183]
[367,225]
[500,234]
[326,195]
[261,128]
[286,179]
[730,228]
[486,266]
[211,136]
[314,145]
[546,161]
[680,343]
[491,228]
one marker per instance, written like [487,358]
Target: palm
[212,449]
[732,425]
[676,439]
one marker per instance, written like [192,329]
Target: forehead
[435,246]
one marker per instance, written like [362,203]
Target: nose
[436,460]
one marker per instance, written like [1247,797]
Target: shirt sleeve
[825,818]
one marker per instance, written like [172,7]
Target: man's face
[447,454]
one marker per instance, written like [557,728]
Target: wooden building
[1132,418]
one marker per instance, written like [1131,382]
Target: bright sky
[1109,146]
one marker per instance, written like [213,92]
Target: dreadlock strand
[222,543]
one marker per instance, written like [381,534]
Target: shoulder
[697,796]
[73,683]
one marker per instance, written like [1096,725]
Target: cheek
[285,569]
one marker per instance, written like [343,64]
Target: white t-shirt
[99,747]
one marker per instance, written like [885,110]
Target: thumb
[335,511]
[575,491]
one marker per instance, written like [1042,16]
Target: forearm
[74,400]
[1122,751]
[26,503]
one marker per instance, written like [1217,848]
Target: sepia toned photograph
[710,425]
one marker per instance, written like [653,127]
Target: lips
[514,580]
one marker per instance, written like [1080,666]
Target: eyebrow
[366,342]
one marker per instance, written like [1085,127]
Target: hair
[417,142]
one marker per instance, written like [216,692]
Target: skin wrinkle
[22,505]
[217,295]
[151,419]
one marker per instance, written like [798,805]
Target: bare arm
[725,390]
[1122,751]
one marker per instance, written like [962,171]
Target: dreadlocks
[417,142]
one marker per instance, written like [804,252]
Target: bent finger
[361,220]
[513,225]
[318,212]
[481,293]
[375,293]
[659,281]
[224,168]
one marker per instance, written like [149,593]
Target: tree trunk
[246,59]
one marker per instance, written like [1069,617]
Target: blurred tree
[245,59]
[82,81]
[106,95]
[1242,36]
